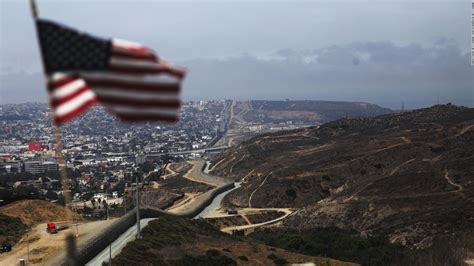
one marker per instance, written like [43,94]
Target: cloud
[380,72]
[21,86]
[377,72]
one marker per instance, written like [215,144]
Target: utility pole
[77,230]
[124,202]
[146,195]
[138,207]
[110,254]
[28,246]
[107,201]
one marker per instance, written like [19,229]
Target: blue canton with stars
[66,49]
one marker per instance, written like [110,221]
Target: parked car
[7,247]
[232,211]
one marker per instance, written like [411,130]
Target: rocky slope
[406,175]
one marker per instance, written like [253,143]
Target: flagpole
[70,239]
[138,206]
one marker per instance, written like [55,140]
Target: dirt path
[407,140]
[317,149]
[219,162]
[464,130]
[44,245]
[221,213]
[398,167]
[183,204]
[387,148]
[238,161]
[356,193]
[460,188]
[446,176]
[188,197]
[253,192]
[168,168]
[250,226]
[246,219]
[244,179]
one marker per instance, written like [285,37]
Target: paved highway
[119,243]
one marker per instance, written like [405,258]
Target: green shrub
[206,260]
[291,193]
[212,252]
[11,229]
[277,260]
[272,256]
[346,245]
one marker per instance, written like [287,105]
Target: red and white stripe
[138,86]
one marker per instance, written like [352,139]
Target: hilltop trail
[399,166]
[238,161]
[216,164]
[446,176]
[464,130]
[407,140]
[396,169]
[253,192]
[244,179]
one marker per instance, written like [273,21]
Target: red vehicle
[51,228]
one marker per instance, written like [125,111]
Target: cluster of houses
[100,152]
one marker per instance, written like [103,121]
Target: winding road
[195,174]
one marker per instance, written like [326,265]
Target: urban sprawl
[101,154]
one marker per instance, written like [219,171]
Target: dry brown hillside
[408,176]
[172,240]
[32,212]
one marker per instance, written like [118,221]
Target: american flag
[130,80]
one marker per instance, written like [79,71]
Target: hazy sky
[377,51]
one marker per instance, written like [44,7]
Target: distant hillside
[405,175]
[246,119]
[32,212]
[171,240]
[307,111]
